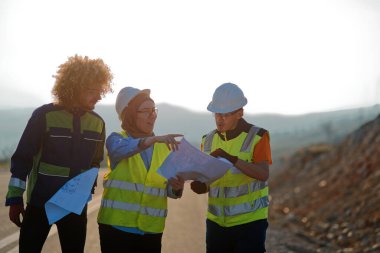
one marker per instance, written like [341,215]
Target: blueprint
[192,164]
[71,197]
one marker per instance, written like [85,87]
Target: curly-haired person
[61,140]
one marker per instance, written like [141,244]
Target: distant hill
[329,194]
[287,132]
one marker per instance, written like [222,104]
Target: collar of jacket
[242,126]
[74,110]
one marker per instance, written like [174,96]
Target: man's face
[88,98]
[227,121]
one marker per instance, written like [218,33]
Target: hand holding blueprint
[192,164]
[71,197]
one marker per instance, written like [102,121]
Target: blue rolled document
[71,197]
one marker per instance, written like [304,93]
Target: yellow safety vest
[235,198]
[134,196]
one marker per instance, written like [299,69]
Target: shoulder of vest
[51,108]
[95,114]
[261,131]
[46,108]
[211,132]
[96,117]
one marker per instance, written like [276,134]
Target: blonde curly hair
[78,73]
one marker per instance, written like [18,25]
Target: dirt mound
[330,194]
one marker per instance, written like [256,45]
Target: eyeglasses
[148,111]
[225,115]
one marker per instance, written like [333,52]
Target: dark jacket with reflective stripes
[56,145]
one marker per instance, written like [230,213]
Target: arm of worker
[22,163]
[261,159]
[168,139]
[119,147]
[259,167]
[175,187]
[259,171]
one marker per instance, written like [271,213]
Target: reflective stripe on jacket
[134,196]
[235,198]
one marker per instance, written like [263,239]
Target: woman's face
[146,117]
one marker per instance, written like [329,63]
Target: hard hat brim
[218,109]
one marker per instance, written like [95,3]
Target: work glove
[14,213]
[199,187]
[221,153]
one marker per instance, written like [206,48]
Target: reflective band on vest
[134,207]
[120,205]
[123,185]
[249,139]
[208,142]
[233,192]
[243,208]
[154,212]
[135,187]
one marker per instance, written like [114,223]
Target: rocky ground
[329,195]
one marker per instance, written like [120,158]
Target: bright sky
[288,56]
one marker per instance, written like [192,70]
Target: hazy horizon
[7,108]
[285,130]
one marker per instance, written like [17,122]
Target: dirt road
[184,232]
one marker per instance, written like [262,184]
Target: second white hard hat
[125,96]
[228,97]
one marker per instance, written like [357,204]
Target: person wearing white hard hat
[238,201]
[134,202]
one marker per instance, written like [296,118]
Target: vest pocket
[57,144]
[90,143]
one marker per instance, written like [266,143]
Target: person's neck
[241,126]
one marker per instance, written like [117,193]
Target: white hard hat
[125,96]
[228,97]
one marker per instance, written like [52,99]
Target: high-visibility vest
[235,198]
[134,196]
